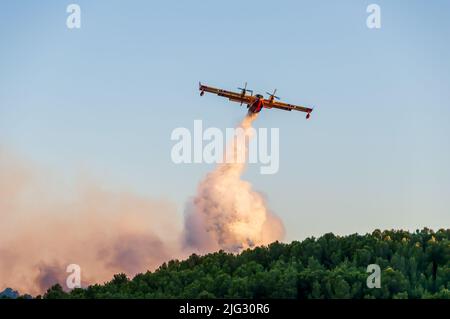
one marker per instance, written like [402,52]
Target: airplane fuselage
[256,106]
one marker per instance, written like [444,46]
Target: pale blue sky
[106,98]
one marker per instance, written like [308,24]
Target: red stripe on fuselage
[257,106]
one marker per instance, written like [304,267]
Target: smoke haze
[45,227]
[102,231]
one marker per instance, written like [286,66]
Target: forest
[413,265]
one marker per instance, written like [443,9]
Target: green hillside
[413,265]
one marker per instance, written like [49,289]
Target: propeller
[273,94]
[245,90]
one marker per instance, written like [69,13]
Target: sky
[104,99]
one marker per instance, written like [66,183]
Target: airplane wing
[285,106]
[232,96]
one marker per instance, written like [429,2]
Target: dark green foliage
[413,265]
[55,292]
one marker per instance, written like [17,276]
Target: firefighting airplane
[255,103]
